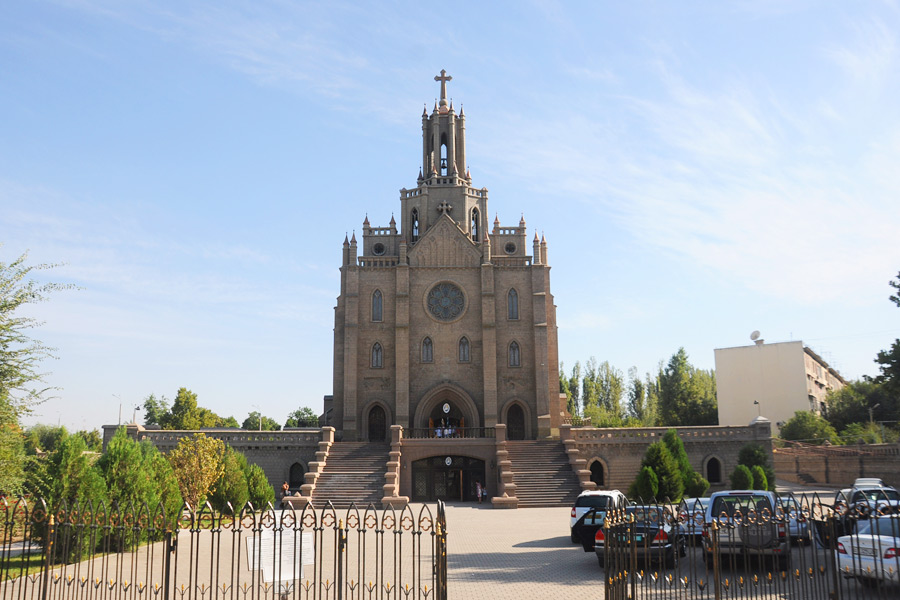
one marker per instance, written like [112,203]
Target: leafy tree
[232,485]
[156,410]
[564,389]
[77,484]
[44,438]
[687,396]
[694,483]
[647,484]
[676,447]
[759,478]
[696,486]
[809,427]
[302,417]
[165,483]
[574,389]
[859,433]
[610,387]
[128,480]
[13,459]
[261,493]
[636,395]
[742,478]
[252,422]
[751,455]
[660,460]
[92,439]
[197,462]
[20,355]
[185,413]
[229,422]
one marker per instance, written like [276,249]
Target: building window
[414,221]
[377,356]
[714,470]
[464,350]
[377,306]
[475,230]
[427,350]
[514,360]
[512,305]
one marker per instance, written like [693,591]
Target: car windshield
[788,503]
[592,502]
[876,495]
[645,514]
[694,504]
[745,503]
[889,526]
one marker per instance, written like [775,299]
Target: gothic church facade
[444,323]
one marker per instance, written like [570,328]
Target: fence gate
[138,553]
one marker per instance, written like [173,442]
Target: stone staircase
[354,472]
[543,476]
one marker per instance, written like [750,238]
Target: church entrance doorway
[446,419]
[515,423]
[377,424]
[446,478]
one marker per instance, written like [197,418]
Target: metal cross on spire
[443,78]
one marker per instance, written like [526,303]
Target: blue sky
[700,171]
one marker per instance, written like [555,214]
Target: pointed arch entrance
[515,422]
[446,406]
[376,423]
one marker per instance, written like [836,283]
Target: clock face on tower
[445,302]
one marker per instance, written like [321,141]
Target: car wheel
[708,560]
[575,538]
[600,561]
[683,549]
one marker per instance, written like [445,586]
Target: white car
[873,551]
[594,499]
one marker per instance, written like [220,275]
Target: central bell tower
[444,183]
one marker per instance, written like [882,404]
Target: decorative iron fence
[450,433]
[749,547]
[87,553]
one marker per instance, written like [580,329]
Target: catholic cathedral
[445,367]
[445,323]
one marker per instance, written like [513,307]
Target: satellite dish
[754,336]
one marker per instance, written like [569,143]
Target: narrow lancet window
[512,305]
[377,306]
[475,229]
[464,350]
[377,356]
[514,354]
[414,221]
[427,350]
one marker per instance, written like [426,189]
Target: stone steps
[353,473]
[542,474]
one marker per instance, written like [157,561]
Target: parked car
[875,499]
[654,532]
[747,524]
[798,523]
[594,499]
[872,552]
[693,513]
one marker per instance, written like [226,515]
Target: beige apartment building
[782,378]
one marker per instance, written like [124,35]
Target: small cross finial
[445,208]
[443,78]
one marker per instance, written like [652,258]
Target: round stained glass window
[445,302]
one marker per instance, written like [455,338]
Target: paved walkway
[517,554]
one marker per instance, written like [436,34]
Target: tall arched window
[377,306]
[414,221]
[714,470]
[514,360]
[427,350]
[444,165]
[377,356]
[464,350]
[475,229]
[512,305]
